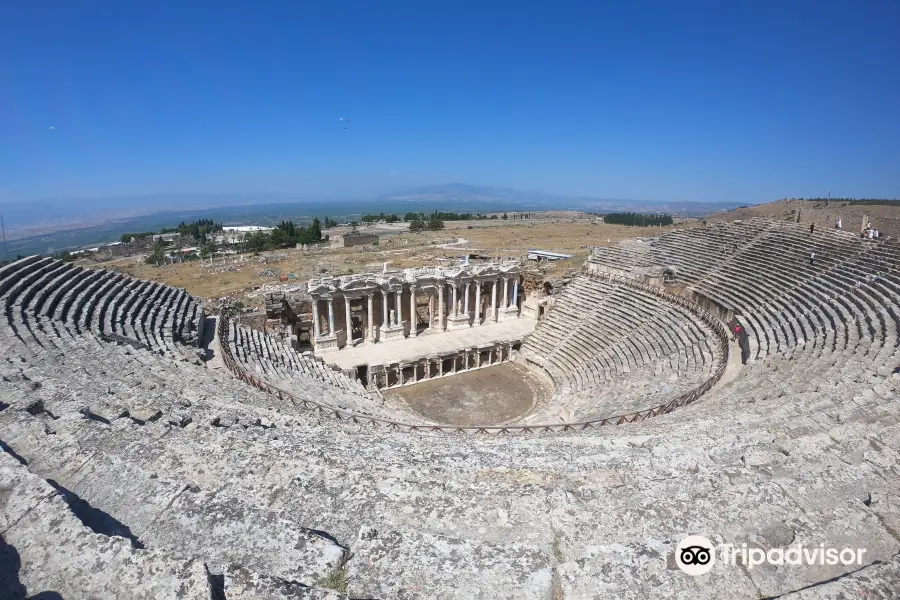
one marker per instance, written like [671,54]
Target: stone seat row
[111,304]
[649,327]
[610,348]
[281,366]
[254,479]
[783,299]
[810,461]
[46,299]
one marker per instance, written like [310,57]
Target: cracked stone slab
[872,582]
[243,584]
[409,565]
[55,552]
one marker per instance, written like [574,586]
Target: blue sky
[708,101]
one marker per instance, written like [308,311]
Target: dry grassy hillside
[249,276]
[823,214]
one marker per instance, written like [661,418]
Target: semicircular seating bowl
[303,376]
[612,349]
[43,292]
[229,488]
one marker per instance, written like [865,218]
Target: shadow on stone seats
[209,332]
[11,587]
[95,519]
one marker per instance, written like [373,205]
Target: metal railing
[364,419]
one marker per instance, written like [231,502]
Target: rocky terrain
[130,469]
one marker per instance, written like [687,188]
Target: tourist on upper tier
[837,224]
[812,258]
[812,227]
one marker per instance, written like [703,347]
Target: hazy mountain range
[47,225]
[45,216]
[462,194]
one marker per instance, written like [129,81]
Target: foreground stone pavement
[129,469]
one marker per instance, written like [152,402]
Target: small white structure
[540,255]
[245,228]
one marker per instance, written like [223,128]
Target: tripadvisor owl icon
[695,555]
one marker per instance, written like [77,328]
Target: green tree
[314,232]
[279,238]
[64,255]
[158,255]
[434,223]
[505,216]
[207,249]
[256,241]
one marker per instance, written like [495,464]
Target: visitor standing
[812,259]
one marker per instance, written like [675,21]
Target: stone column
[516,293]
[494,300]
[398,307]
[440,366]
[331,316]
[453,304]
[505,292]
[370,336]
[477,303]
[400,374]
[466,300]
[430,310]
[412,311]
[347,316]
[384,310]
[441,307]
[317,328]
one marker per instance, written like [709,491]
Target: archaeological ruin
[156,446]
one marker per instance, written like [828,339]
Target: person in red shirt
[736,334]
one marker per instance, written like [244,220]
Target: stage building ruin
[370,309]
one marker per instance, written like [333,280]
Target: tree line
[285,235]
[380,217]
[638,219]
[420,223]
[199,230]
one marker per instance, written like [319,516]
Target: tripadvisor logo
[696,555]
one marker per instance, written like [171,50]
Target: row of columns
[432,367]
[494,307]
[397,317]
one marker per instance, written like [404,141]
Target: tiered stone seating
[304,375]
[223,491]
[115,306]
[761,269]
[614,349]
